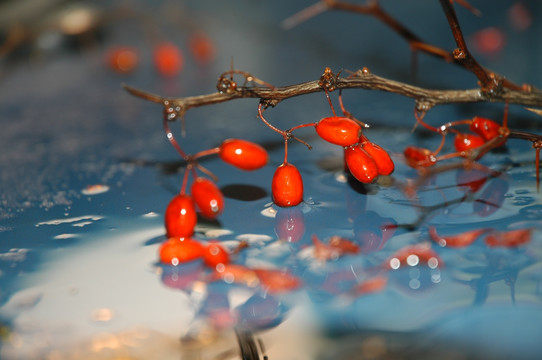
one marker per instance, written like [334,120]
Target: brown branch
[362,79]
[490,82]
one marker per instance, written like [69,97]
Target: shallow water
[87,174]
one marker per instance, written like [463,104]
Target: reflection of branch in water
[250,348]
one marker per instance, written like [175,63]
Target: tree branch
[362,79]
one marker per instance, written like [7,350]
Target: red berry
[180,217]
[339,130]
[486,128]
[419,157]
[122,59]
[464,142]
[243,154]
[215,254]
[208,197]
[176,251]
[287,186]
[202,48]
[361,164]
[168,59]
[383,161]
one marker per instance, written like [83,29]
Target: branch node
[172,110]
[328,80]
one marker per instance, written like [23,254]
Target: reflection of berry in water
[339,130]
[511,238]
[243,154]
[183,276]
[492,198]
[180,217]
[287,186]
[177,251]
[371,231]
[471,179]
[458,240]
[290,224]
[168,59]
[260,312]
[208,197]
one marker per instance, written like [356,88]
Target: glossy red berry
[176,251]
[486,128]
[208,197]
[361,164]
[168,59]
[243,154]
[287,186]
[419,157]
[339,130]
[180,217]
[215,254]
[383,161]
[464,142]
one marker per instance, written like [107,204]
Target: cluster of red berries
[181,216]
[168,58]
[482,130]
[364,159]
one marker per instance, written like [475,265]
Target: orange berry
[180,217]
[208,197]
[168,59]
[339,130]
[215,254]
[287,186]
[176,251]
[361,164]
[243,154]
[122,59]
[383,161]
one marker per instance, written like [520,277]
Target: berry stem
[172,140]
